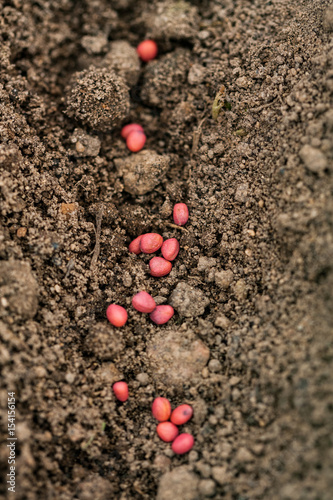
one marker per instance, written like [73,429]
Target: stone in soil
[177,357]
[179,483]
[143,171]
[188,300]
[99,98]
[18,290]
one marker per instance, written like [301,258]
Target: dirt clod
[123,59]
[188,300]
[176,359]
[99,98]
[143,171]
[18,291]
[179,483]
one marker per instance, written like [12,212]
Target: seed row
[167,428]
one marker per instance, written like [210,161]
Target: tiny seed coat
[162,314]
[143,302]
[116,314]
[180,214]
[120,390]
[181,414]
[161,409]
[159,267]
[167,431]
[183,443]
[170,249]
[150,242]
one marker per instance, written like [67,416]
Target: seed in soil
[120,390]
[143,302]
[162,314]
[182,444]
[134,246]
[117,315]
[147,50]
[161,409]
[131,127]
[150,242]
[159,266]
[170,249]
[167,431]
[181,414]
[135,141]
[180,214]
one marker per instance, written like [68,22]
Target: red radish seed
[183,443]
[135,141]
[134,246]
[151,242]
[117,315]
[143,302]
[159,266]
[170,249]
[162,314]
[180,214]
[147,50]
[131,127]
[167,431]
[161,409]
[181,414]
[120,390]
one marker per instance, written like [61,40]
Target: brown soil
[252,349]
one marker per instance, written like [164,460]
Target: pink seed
[180,214]
[131,127]
[117,315]
[170,249]
[147,50]
[135,141]
[120,390]
[161,409]
[162,314]
[151,242]
[181,414]
[143,302]
[167,431]
[182,444]
[159,266]
[134,246]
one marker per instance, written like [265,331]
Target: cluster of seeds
[149,243]
[168,430]
[133,133]
[134,136]
[169,421]
[159,266]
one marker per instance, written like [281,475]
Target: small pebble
[117,315]
[150,242]
[161,409]
[170,249]
[162,314]
[134,246]
[214,365]
[131,127]
[147,50]
[180,214]
[143,302]
[167,431]
[207,487]
[120,390]
[159,266]
[135,141]
[183,443]
[181,414]
[143,378]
